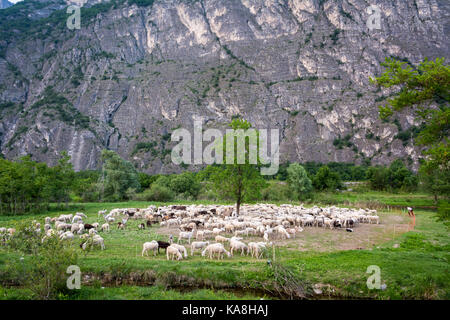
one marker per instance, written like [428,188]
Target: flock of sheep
[205,224]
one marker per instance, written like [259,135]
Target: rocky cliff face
[133,73]
[5,4]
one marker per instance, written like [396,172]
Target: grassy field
[414,264]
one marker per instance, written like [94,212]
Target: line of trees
[30,186]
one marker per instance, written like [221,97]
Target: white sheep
[238,245]
[96,240]
[101,213]
[172,253]
[200,235]
[198,245]
[77,219]
[185,235]
[105,227]
[215,248]
[221,239]
[147,246]
[77,228]
[217,231]
[81,214]
[180,248]
[68,235]
[256,249]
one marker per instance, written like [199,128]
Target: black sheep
[88,226]
[163,245]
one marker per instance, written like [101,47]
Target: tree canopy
[239,180]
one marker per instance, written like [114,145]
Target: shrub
[276,191]
[155,193]
[298,180]
[44,271]
[185,184]
[325,179]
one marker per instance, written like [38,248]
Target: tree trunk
[435,199]
[238,206]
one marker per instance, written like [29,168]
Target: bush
[396,177]
[276,191]
[298,180]
[443,212]
[378,177]
[185,185]
[44,270]
[325,179]
[155,193]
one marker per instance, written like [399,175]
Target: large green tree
[426,88]
[117,177]
[298,180]
[325,179]
[63,179]
[239,180]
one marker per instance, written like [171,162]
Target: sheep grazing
[217,231]
[214,248]
[172,253]
[62,226]
[84,236]
[77,228]
[101,213]
[374,219]
[68,235]
[198,245]
[95,225]
[221,239]
[185,235]
[88,226]
[150,246]
[200,235]
[141,226]
[241,233]
[81,214]
[77,219]
[256,249]
[120,225]
[105,227]
[48,220]
[96,241]
[163,245]
[92,232]
[294,231]
[236,245]
[180,248]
